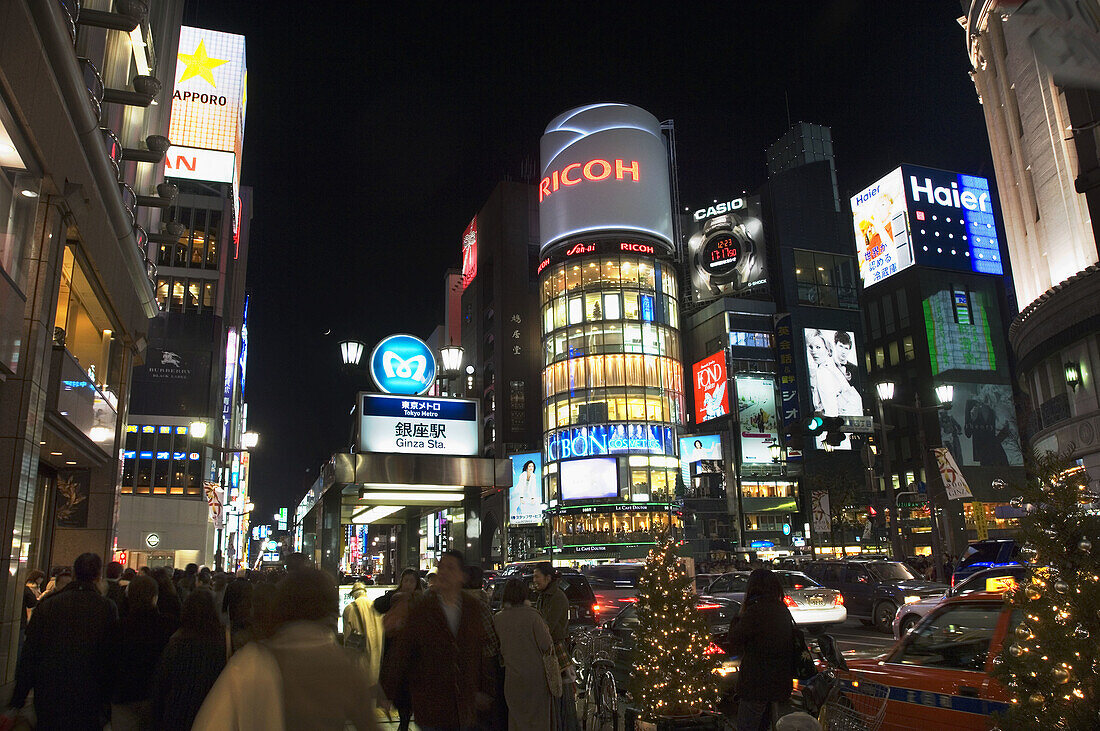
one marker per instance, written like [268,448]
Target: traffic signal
[831,426]
[792,436]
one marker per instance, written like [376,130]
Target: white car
[909,615]
[810,603]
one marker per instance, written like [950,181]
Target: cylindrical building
[613,381]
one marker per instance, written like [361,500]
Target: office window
[825,280]
[750,339]
[907,349]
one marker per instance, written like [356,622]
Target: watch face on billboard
[584,479]
[758,419]
[980,427]
[604,168]
[957,321]
[725,244]
[832,365]
[525,496]
[711,388]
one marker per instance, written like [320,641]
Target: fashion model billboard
[918,215]
[702,467]
[604,169]
[980,427]
[832,365]
[758,424]
[711,386]
[725,249]
[525,495]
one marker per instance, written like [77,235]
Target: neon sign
[607,439]
[469,254]
[594,171]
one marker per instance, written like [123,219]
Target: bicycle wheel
[601,702]
[589,711]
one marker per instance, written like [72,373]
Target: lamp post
[451,358]
[249,440]
[945,394]
[885,392]
[351,352]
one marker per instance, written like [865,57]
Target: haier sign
[935,218]
[402,364]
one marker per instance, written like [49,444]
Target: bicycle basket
[859,706]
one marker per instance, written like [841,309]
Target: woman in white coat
[524,640]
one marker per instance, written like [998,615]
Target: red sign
[711,393]
[469,254]
[593,171]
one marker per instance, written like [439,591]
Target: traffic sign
[859,425]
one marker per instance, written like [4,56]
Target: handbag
[553,672]
[354,639]
[802,662]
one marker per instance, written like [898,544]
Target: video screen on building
[832,364]
[702,466]
[725,245]
[759,423]
[711,387]
[588,479]
[960,337]
[980,427]
[525,496]
[935,218]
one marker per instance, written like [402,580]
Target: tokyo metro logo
[402,364]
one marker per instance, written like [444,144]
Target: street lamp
[351,352]
[777,451]
[945,393]
[250,439]
[451,355]
[198,429]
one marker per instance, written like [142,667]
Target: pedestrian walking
[168,599]
[300,679]
[67,657]
[524,641]
[190,664]
[553,605]
[441,653]
[763,635]
[144,633]
[363,635]
[394,607]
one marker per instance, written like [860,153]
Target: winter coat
[68,659]
[553,605]
[524,640]
[299,679]
[187,670]
[763,635]
[444,671]
[367,623]
[144,635]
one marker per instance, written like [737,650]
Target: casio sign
[719,208]
[402,364]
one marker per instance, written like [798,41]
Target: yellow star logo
[199,64]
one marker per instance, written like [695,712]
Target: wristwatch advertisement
[726,254]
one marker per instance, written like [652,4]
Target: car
[702,581]
[938,675]
[716,611]
[582,601]
[615,586]
[994,579]
[873,589]
[811,605]
[993,553]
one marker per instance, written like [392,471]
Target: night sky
[374,134]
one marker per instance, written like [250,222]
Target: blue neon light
[981,229]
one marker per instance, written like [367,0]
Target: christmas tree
[673,675]
[1050,663]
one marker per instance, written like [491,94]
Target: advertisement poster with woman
[525,496]
[980,427]
[832,366]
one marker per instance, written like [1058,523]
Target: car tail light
[708,606]
[713,649]
[595,608]
[798,586]
[629,600]
[789,601]
[838,600]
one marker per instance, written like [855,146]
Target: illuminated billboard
[417,425]
[832,364]
[208,103]
[587,479]
[525,495]
[711,387]
[980,427]
[702,466]
[469,254]
[957,321]
[759,425]
[935,218]
[604,168]
[725,248]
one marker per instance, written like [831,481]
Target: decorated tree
[673,675]
[1050,664]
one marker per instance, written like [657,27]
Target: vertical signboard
[758,422]
[525,496]
[469,253]
[789,412]
[231,345]
[711,387]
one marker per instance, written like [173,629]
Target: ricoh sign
[934,218]
[604,169]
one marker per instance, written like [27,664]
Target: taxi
[938,676]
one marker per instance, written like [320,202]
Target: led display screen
[831,362]
[525,495]
[980,427]
[604,168]
[711,388]
[759,426]
[702,466]
[725,245]
[957,321]
[208,104]
[584,479]
[935,218]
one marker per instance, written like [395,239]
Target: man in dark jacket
[763,634]
[116,592]
[143,635]
[441,653]
[67,656]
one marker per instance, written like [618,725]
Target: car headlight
[728,667]
[912,598]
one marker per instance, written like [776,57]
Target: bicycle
[850,704]
[592,653]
